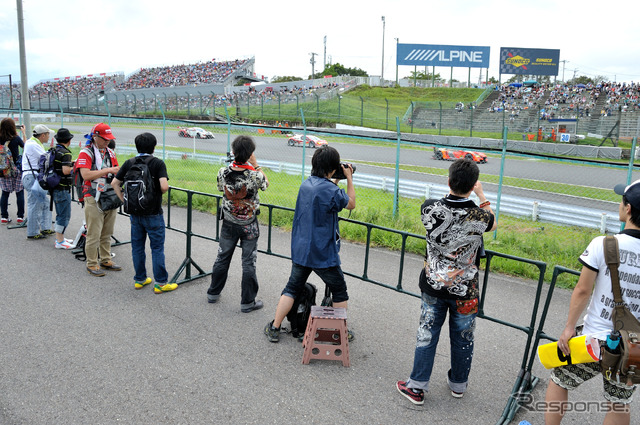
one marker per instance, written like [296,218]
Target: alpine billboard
[443,55]
[516,60]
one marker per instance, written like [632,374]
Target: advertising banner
[443,55]
[520,61]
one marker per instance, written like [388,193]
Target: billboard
[443,55]
[516,60]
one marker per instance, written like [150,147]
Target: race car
[312,141]
[197,132]
[452,155]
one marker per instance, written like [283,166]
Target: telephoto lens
[339,174]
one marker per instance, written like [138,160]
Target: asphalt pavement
[76,349]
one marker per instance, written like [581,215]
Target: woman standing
[9,135]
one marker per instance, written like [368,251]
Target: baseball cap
[631,192]
[103,130]
[40,129]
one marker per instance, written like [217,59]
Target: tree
[284,79]
[337,69]
[423,75]
[582,79]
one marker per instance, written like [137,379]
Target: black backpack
[47,176]
[299,314]
[139,189]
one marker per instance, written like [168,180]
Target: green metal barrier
[524,382]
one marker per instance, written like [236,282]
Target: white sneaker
[63,245]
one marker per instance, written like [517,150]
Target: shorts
[571,376]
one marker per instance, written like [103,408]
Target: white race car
[197,132]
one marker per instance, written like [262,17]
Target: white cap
[40,129]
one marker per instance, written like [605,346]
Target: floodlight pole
[24,84]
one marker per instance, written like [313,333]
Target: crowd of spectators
[73,86]
[210,72]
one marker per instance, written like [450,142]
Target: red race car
[451,155]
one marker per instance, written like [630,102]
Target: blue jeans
[62,199]
[248,236]
[153,226]
[38,212]
[4,203]
[332,277]
[461,328]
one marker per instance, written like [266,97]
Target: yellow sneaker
[140,285]
[159,289]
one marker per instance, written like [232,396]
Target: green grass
[552,244]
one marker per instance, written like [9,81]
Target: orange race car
[452,155]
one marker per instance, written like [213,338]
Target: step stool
[326,335]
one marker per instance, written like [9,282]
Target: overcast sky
[73,37]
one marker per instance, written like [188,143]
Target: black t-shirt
[158,169]
[63,157]
[14,146]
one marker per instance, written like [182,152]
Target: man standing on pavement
[148,221]
[449,279]
[595,283]
[38,212]
[63,166]
[97,165]
[315,237]
[240,182]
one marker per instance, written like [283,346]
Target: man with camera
[315,237]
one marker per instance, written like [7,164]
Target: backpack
[139,188]
[78,181]
[299,314]
[7,165]
[47,176]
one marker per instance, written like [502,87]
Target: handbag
[622,364]
[106,198]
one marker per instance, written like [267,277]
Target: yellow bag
[584,349]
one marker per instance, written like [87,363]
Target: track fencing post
[396,188]
[304,143]
[164,128]
[502,160]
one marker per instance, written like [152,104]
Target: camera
[339,174]
[19,126]
[230,157]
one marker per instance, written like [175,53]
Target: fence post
[631,161]
[61,112]
[471,128]
[339,101]
[534,211]
[502,159]
[386,127]
[106,107]
[226,111]
[440,126]
[396,186]
[317,107]
[603,223]
[361,111]
[164,125]
[304,142]
[411,116]
[278,106]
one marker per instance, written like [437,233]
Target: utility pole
[382,73]
[324,62]
[24,84]
[397,41]
[574,73]
[564,62]
[313,65]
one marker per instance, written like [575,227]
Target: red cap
[103,130]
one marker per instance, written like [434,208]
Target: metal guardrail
[546,211]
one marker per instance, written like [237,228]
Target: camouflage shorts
[571,376]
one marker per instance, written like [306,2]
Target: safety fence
[524,382]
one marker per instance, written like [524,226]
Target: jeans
[62,200]
[332,277]
[38,212]
[141,227]
[230,234]
[4,203]
[461,328]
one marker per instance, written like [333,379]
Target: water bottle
[613,342]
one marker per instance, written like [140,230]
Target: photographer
[315,237]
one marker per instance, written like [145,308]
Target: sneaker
[350,336]
[414,396]
[273,334]
[257,305]
[69,241]
[140,285]
[63,245]
[47,232]
[38,236]
[213,298]
[5,220]
[110,265]
[159,289]
[456,395]
[20,220]
[96,271]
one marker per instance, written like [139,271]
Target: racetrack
[275,148]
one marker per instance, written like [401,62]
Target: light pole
[397,41]
[313,65]
[382,73]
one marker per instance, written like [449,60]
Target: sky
[73,37]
